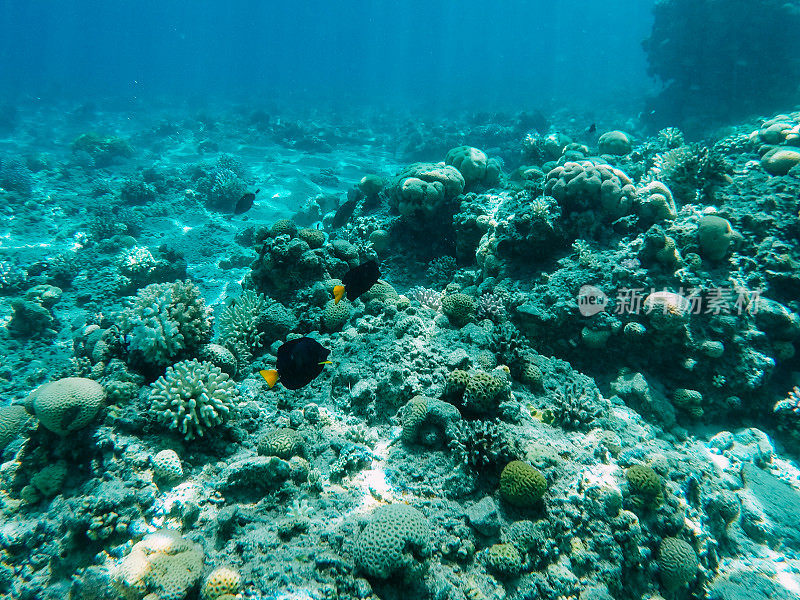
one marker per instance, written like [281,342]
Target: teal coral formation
[165,321]
[192,397]
[444,402]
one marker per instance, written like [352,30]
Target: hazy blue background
[508,54]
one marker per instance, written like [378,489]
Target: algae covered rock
[428,421]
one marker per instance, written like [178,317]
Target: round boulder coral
[715,236]
[163,565]
[167,466]
[470,162]
[780,160]
[396,540]
[335,315]
[668,311]
[459,308]
[220,582]
[219,356]
[521,484]
[614,142]
[66,405]
[422,189]
[656,202]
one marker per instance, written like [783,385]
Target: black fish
[245,203]
[592,128]
[343,213]
[357,281]
[300,362]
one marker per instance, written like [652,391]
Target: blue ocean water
[476,54]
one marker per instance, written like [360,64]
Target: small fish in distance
[357,281]
[300,361]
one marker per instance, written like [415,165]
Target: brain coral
[478,391]
[192,397]
[163,566]
[395,540]
[165,321]
[283,442]
[677,562]
[645,486]
[504,560]
[521,484]
[12,418]
[66,405]
[585,186]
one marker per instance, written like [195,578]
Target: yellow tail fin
[270,376]
[338,293]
